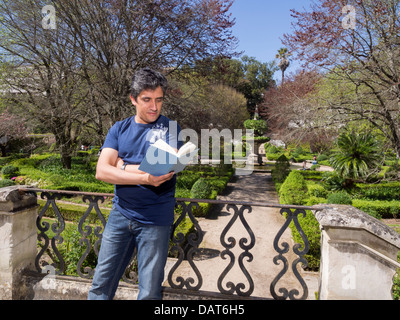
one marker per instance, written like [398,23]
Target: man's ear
[133,100]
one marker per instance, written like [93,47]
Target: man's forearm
[114,175]
[132,169]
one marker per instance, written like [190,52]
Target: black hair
[147,79]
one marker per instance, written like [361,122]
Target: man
[143,207]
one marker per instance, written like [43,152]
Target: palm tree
[284,62]
[358,154]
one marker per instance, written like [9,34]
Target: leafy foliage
[6,183]
[358,153]
[294,189]
[281,170]
[12,128]
[259,126]
[9,172]
[201,189]
[340,197]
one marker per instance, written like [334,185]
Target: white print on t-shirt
[159,131]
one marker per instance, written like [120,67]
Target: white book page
[186,149]
[161,144]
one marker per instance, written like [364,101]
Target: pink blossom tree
[12,128]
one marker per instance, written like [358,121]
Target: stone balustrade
[358,254]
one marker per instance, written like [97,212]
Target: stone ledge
[12,199]
[366,250]
[37,287]
[348,217]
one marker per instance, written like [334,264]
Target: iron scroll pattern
[90,228]
[87,230]
[186,247]
[57,227]
[298,250]
[193,242]
[230,244]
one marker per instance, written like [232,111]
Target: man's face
[148,105]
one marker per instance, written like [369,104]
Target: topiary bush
[294,189]
[186,181]
[6,183]
[201,189]
[340,197]
[322,157]
[379,209]
[9,172]
[281,170]
[259,126]
[317,190]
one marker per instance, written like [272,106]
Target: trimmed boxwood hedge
[379,209]
[382,191]
[72,212]
[293,189]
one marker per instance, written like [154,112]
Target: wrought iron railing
[192,242]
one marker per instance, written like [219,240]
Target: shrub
[202,210]
[72,212]
[311,228]
[300,151]
[201,189]
[358,153]
[218,184]
[317,190]
[259,126]
[383,191]
[340,197]
[313,200]
[315,167]
[294,189]
[186,181]
[333,182]
[396,285]
[378,209]
[273,156]
[6,183]
[72,251]
[9,172]
[271,149]
[281,170]
[322,157]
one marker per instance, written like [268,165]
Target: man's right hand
[158,181]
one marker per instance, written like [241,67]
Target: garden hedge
[293,189]
[379,209]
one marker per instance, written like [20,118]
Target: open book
[161,158]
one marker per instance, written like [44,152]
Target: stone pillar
[358,255]
[18,240]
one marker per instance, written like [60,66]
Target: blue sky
[261,23]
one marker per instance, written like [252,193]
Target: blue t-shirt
[145,204]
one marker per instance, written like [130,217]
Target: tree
[78,75]
[284,62]
[12,128]
[258,125]
[118,37]
[42,73]
[358,153]
[257,79]
[281,169]
[362,55]
[291,114]
[247,75]
[200,104]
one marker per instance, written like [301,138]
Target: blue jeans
[119,240]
